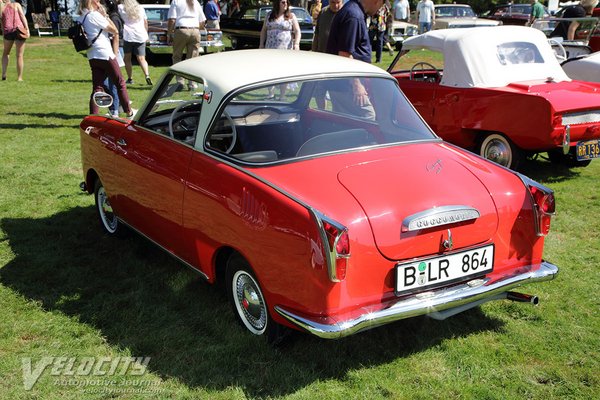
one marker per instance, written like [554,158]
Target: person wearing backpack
[101,54]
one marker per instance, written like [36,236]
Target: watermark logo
[83,371]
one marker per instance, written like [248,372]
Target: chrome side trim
[431,302]
[439,216]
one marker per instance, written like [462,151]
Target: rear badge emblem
[436,166]
[439,216]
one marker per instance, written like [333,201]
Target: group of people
[116,33]
[121,30]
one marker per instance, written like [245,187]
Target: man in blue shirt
[349,36]
[212,13]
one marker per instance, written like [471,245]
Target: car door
[153,164]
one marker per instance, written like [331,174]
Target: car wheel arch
[219,269]
[90,180]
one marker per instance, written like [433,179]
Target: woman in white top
[135,35]
[101,54]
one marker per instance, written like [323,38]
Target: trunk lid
[389,185]
[427,188]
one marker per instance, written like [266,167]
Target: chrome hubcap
[249,302]
[106,212]
[498,152]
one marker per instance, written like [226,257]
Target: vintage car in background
[502,94]
[459,16]
[243,29]
[400,31]
[584,68]
[315,213]
[512,14]
[210,40]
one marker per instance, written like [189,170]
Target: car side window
[175,109]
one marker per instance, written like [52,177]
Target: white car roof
[226,71]
[471,56]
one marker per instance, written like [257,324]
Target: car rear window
[513,53]
[290,120]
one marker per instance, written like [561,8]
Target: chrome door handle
[121,142]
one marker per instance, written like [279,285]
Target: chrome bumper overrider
[460,298]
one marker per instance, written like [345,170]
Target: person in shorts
[13,18]
[135,35]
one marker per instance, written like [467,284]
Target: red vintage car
[502,94]
[316,193]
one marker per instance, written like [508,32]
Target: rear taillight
[544,205]
[336,244]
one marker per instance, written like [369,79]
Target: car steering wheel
[176,111]
[563,53]
[424,66]
[226,135]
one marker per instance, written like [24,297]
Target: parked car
[512,14]
[503,95]
[400,31]
[585,68]
[210,39]
[243,29]
[331,220]
[458,16]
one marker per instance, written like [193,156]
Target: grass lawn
[66,290]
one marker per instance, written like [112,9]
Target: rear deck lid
[437,194]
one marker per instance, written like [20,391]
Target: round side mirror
[102,99]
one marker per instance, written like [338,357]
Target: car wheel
[248,301]
[556,156]
[108,218]
[501,150]
[235,44]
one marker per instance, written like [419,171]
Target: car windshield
[454,12]
[296,119]
[156,14]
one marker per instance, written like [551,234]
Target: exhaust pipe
[523,298]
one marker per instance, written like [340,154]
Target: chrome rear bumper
[439,303]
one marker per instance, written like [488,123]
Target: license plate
[588,150]
[432,272]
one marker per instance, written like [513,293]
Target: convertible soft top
[491,57]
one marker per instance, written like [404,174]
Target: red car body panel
[192,214]
[528,112]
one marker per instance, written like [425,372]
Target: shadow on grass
[29,125]
[546,172]
[47,115]
[143,300]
